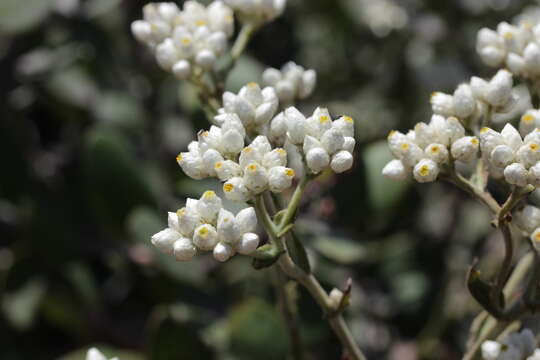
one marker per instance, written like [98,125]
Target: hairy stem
[242,40]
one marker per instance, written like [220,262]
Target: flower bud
[271,76]
[227,169]
[184,249]
[232,142]
[345,125]
[248,243]
[529,121]
[464,103]
[502,156]
[280,178]
[442,104]
[534,175]
[437,153]
[499,89]
[167,54]
[296,125]
[529,154]
[165,239]
[535,238]
[236,190]
[489,139]
[426,170]
[142,30]
[223,252]
[491,350]
[276,157]
[247,220]
[209,159]
[188,219]
[348,144]
[332,141]
[516,174]
[528,218]
[394,170]
[255,177]
[531,56]
[317,159]
[307,85]
[205,237]
[182,69]
[341,161]
[192,165]
[335,298]
[208,206]
[227,228]
[511,137]
[465,149]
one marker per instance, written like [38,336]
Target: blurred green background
[89,130]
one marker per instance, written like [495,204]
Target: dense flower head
[515,346]
[204,225]
[515,47]
[254,106]
[323,142]
[257,11]
[291,82]
[182,39]
[426,149]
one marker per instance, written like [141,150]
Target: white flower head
[291,82]
[254,106]
[257,11]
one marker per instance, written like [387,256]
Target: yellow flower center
[289,172]
[252,167]
[435,149]
[508,35]
[533,146]
[424,170]
[252,85]
[203,231]
[474,141]
[527,118]
[348,119]
[179,157]
[200,22]
[537,237]
[228,187]
[404,146]
[181,212]
[484,130]
[281,151]
[185,41]
[247,150]
[323,119]
[218,165]
[209,194]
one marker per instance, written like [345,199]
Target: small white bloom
[280,178]
[529,154]
[95,354]
[248,243]
[296,125]
[491,350]
[437,153]
[236,190]
[247,220]
[227,169]
[165,239]
[465,148]
[223,252]
[395,170]
[183,249]
[528,218]
[426,171]
[464,103]
[516,174]
[529,121]
[227,228]
[332,141]
[317,159]
[336,296]
[341,161]
[276,157]
[502,156]
[182,69]
[442,104]
[255,177]
[499,89]
[205,237]
[208,206]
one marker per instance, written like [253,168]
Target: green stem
[294,203]
[242,40]
[335,319]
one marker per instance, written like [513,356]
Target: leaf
[482,290]
[20,307]
[297,252]
[265,256]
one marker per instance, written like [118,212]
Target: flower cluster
[95,354]
[469,100]
[515,47]
[324,143]
[515,346]
[291,82]
[260,11]
[254,107]
[184,39]
[516,158]
[204,225]
[428,147]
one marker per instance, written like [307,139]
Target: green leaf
[265,256]
[482,290]
[297,252]
[20,307]
[339,249]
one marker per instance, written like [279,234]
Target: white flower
[528,218]
[535,355]
[291,82]
[442,104]
[181,39]
[426,171]
[529,121]
[465,148]
[516,174]
[491,350]
[257,11]
[499,89]
[253,106]
[395,170]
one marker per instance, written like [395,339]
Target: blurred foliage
[89,129]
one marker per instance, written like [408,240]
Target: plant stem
[242,40]
[294,203]
[336,321]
